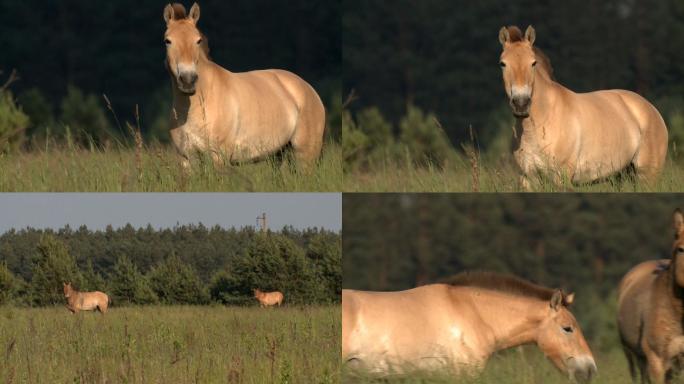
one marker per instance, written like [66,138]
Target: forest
[67,55]
[582,243]
[425,89]
[187,264]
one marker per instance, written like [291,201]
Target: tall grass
[157,168]
[525,365]
[472,173]
[171,345]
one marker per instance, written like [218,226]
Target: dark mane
[179,13]
[501,283]
[516,35]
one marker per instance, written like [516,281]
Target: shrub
[13,123]
[85,118]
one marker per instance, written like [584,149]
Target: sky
[164,210]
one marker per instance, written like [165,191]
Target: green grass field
[157,169]
[475,175]
[171,345]
[524,365]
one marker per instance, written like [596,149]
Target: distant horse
[583,136]
[267,299]
[85,301]
[456,327]
[651,312]
[238,117]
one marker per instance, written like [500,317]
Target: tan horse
[237,117]
[85,301]
[456,327]
[582,136]
[651,312]
[267,299]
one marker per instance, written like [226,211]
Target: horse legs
[307,140]
[630,362]
[656,370]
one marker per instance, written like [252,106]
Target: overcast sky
[162,210]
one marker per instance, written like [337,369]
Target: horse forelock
[501,283]
[514,34]
[179,12]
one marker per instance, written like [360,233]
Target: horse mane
[179,13]
[501,283]
[543,61]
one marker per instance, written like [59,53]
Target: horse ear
[504,36]
[569,299]
[195,13]
[169,13]
[556,299]
[678,221]
[530,34]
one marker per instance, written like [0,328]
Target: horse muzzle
[187,82]
[521,105]
[581,369]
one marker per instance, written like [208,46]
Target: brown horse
[651,312]
[85,301]
[237,117]
[267,299]
[456,327]
[582,136]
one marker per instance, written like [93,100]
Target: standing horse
[456,327]
[651,312]
[583,136]
[268,298]
[237,117]
[85,301]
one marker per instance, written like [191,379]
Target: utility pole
[261,223]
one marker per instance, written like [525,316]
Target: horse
[585,137]
[267,299]
[455,327]
[235,117]
[651,312]
[85,301]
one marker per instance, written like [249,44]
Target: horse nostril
[188,77]
[521,102]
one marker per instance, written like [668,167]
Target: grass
[472,174]
[157,169]
[171,345]
[524,365]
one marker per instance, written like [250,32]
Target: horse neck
[544,96]
[513,320]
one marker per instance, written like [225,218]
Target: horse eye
[534,63]
[502,64]
[199,41]
[680,250]
[567,329]
[167,41]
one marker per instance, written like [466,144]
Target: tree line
[189,264]
[582,243]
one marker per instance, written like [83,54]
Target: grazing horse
[85,301]
[267,299]
[651,312]
[585,137]
[456,327]
[236,117]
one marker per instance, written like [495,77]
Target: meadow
[174,344]
[156,168]
[524,365]
[472,173]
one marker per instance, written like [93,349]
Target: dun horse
[267,299]
[85,301]
[236,117]
[651,312]
[582,136]
[456,327]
